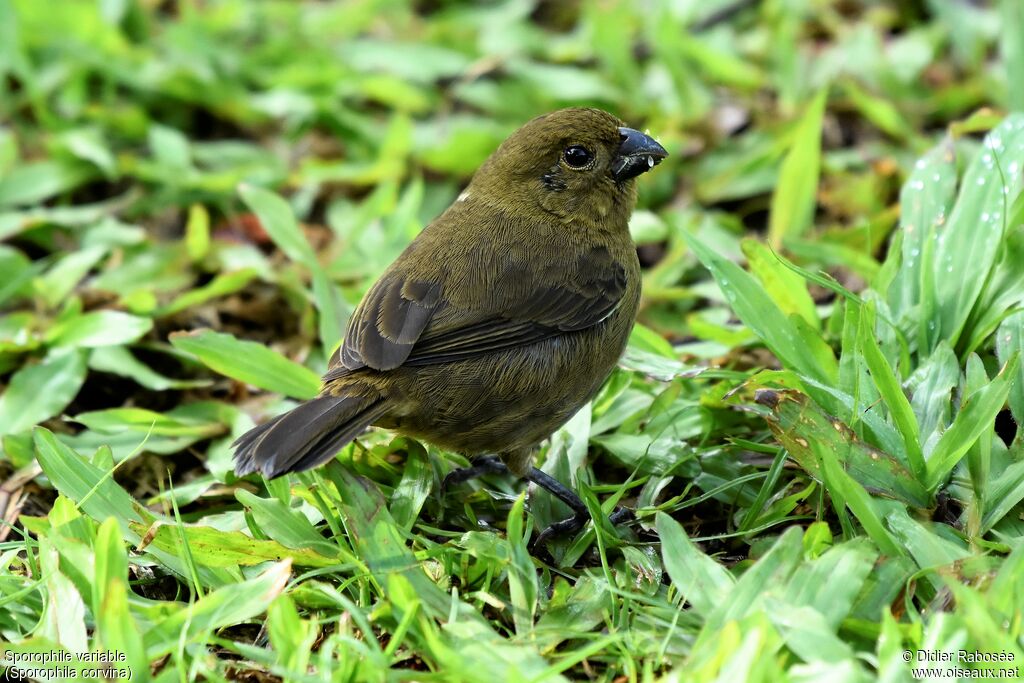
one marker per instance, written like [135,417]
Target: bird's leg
[488,464]
[569,525]
[492,464]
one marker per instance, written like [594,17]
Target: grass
[816,419]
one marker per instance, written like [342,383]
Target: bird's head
[578,164]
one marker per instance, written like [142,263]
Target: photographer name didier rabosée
[964,656]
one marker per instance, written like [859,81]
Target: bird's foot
[621,516]
[492,464]
[571,525]
[488,464]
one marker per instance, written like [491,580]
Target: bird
[498,322]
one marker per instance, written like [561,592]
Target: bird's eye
[577,156]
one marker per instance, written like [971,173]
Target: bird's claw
[489,464]
[571,525]
[621,516]
[492,464]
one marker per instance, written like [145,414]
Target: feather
[306,436]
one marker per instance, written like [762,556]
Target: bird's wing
[406,322]
[387,324]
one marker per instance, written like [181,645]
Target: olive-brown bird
[499,321]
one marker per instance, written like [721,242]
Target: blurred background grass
[194,195]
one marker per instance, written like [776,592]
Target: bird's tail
[306,436]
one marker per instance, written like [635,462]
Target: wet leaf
[967,244]
[796,423]
[977,415]
[756,309]
[1010,342]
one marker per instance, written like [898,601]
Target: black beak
[638,154]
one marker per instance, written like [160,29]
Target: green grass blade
[98,495]
[249,362]
[277,218]
[892,394]
[786,288]
[229,605]
[968,244]
[931,386]
[928,548]
[38,392]
[1012,48]
[1003,493]
[216,548]
[802,428]
[522,575]
[285,525]
[111,562]
[757,310]
[99,328]
[1010,342]
[700,580]
[412,491]
[925,202]
[845,490]
[794,201]
[767,576]
[976,416]
[831,583]
[119,631]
